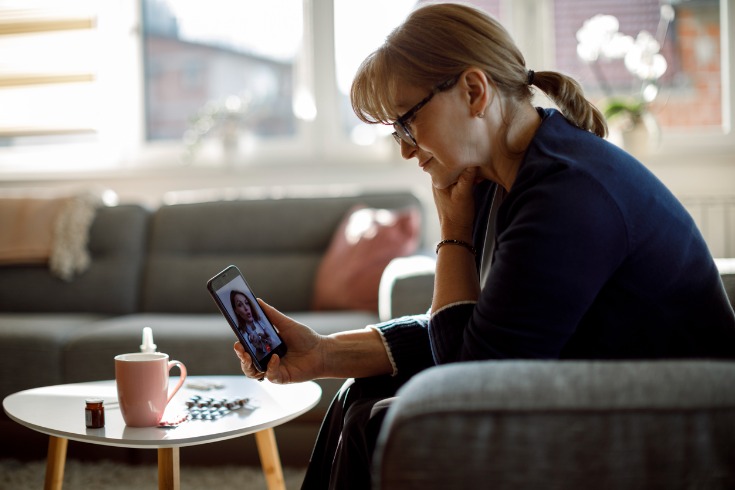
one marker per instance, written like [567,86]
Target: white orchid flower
[618,46]
[596,33]
[644,60]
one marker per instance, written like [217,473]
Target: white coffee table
[59,412]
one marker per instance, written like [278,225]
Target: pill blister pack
[203,408]
[206,408]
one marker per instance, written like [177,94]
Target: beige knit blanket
[48,230]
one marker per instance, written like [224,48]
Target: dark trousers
[343,452]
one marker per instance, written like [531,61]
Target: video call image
[249,317]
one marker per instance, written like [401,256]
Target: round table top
[60,411]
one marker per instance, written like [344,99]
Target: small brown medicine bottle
[94,413]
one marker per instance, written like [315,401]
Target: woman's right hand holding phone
[304,360]
[349,354]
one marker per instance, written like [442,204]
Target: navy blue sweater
[594,259]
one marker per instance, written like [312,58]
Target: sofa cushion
[110,285]
[363,244]
[276,243]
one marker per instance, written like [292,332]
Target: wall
[706,187]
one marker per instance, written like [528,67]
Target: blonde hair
[439,41]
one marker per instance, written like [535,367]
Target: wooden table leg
[270,460]
[169,477]
[55,462]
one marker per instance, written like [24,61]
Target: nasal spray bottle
[147,347]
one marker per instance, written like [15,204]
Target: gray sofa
[149,269]
[512,424]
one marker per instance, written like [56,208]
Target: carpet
[107,475]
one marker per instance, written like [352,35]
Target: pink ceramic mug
[142,386]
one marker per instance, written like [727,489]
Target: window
[357,33]
[205,70]
[143,83]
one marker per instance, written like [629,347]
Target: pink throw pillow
[364,243]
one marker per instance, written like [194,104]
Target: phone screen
[237,302]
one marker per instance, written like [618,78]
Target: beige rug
[106,475]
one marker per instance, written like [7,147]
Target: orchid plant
[224,118]
[599,39]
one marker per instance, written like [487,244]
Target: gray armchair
[563,424]
[550,424]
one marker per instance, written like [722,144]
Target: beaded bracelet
[456,242]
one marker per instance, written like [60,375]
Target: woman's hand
[304,358]
[456,273]
[456,207]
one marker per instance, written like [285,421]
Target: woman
[555,243]
[249,324]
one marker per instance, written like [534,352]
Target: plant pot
[639,136]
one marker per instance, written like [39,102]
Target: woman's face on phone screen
[242,308]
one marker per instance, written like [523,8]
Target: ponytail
[567,94]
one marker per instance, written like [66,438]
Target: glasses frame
[402,131]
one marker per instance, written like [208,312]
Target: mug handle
[182,370]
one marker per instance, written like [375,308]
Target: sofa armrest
[727,273]
[406,287]
[570,424]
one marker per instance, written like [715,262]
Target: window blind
[48,56]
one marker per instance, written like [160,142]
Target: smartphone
[236,301]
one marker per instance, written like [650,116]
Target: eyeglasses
[402,131]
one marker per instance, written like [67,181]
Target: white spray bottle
[147,346]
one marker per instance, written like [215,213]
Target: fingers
[468,177]
[246,362]
[239,351]
[455,205]
[462,189]
[273,314]
[273,373]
